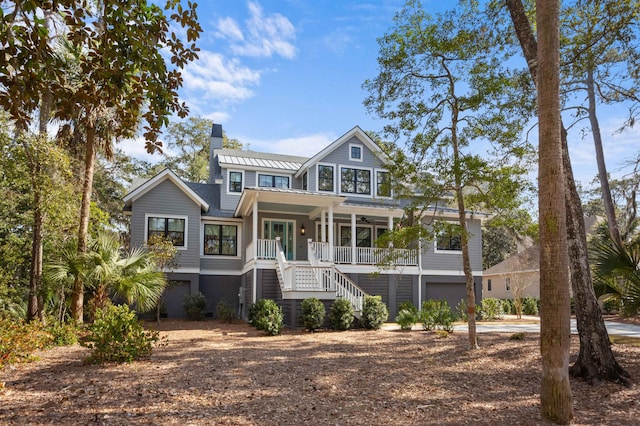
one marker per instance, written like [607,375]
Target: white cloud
[265,35]
[213,76]
[303,146]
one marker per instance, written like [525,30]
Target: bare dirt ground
[214,373]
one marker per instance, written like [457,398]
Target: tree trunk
[603,176]
[556,401]
[468,273]
[595,360]
[83,230]
[34,308]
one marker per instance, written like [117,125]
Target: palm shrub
[341,314]
[407,318]
[374,312]
[194,306]
[116,335]
[492,309]
[266,315]
[408,306]
[461,310]
[313,313]
[436,314]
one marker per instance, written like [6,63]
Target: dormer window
[355,152]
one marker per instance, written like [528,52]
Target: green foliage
[436,314]
[491,309]
[224,311]
[517,336]
[194,306]
[407,318]
[18,340]
[62,334]
[374,313]
[461,310]
[529,306]
[508,307]
[116,335]
[408,306]
[313,313]
[341,314]
[267,316]
[611,305]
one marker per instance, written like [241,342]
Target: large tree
[556,401]
[595,361]
[123,76]
[443,86]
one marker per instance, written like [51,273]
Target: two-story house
[288,228]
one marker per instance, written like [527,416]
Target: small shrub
[442,334]
[62,334]
[407,319]
[492,309]
[508,307]
[116,335]
[374,312]
[18,340]
[313,313]
[408,306]
[266,315]
[436,314]
[517,336]
[341,314]
[194,306]
[225,311]
[611,306]
[529,306]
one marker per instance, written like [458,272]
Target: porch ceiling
[288,200]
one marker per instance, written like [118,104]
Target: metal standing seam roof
[260,159]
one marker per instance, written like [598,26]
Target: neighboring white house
[287,228]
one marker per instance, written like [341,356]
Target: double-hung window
[235,182]
[167,227]
[355,181]
[220,240]
[383,184]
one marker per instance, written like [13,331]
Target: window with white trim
[325,178]
[168,227]
[273,181]
[220,240]
[383,184]
[355,181]
[355,152]
[363,236]
[235,182]
[449,240]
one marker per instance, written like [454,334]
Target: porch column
[323,224]
[254,236]
[390,228]
[330,218]
[353,238]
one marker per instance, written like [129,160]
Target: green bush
[508,307]
[62,334]
[492,309]
[225,311]
[116,335]
[18,340]
[407,318]
[461,310]
[313,313]
[407,305]
[374,312]
[611,305]
[194,306]
[436,314]
[266,315]
[341,314]
[529,306]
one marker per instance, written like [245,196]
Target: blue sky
[285,76]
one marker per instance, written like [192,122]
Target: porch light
[302,230]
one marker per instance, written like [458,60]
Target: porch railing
[376,255]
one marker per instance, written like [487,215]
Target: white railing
[375,256]
[347,289]
[281,272]
[321,251]
[267,249]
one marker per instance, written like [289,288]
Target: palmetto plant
[616,273]
[131,277]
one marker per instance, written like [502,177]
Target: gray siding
[268,286]
[453,261]
[340,155]
[164,200]
[405,291]
[373,285]
[223,263]
[451,289]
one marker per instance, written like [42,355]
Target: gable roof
[358,133]
[263,160]
[140,190]
[526,260]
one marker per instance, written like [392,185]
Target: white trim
[335,180]
[287,221]
[229,171]
[217,272]
[355,194]
[159,178]
[359,146]
[449,272]
[185,271]
[221,222]
[168,216]
[358,225]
